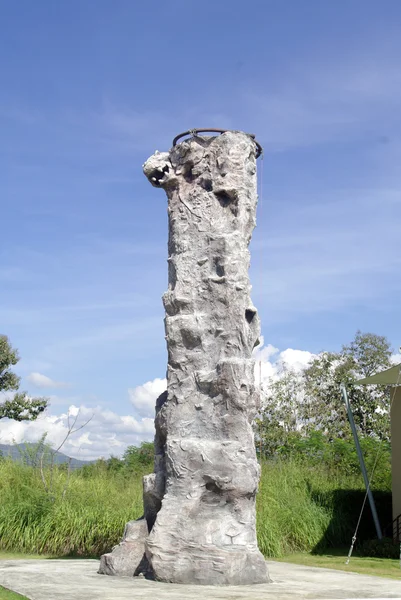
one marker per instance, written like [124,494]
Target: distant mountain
[26,452]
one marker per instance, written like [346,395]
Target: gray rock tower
[200,501]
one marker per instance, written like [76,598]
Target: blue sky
[90,89]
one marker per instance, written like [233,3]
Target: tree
[297,405]
[324,408]
[136,458]
[279,420]
[20,407]
[368,353]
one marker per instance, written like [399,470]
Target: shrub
[384,548]
[300,507]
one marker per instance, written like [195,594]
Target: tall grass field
[299,508]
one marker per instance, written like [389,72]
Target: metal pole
[361,462]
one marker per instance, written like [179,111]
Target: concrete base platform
[78,580]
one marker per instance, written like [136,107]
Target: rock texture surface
[125,558]
[200,502]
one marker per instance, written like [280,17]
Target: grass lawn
[6,595]
[382,567]
[20,555]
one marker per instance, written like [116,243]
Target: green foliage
[335,559]
[369,352]
[8,357]
[87,520]
[298,404]
[366,354]
[139,457]
[287,518]
[325,408]
[135,462]
[384,548]
[115,464]
[311,490]
[303,507]
[7,595]
[300,507]
[280,417]
[35,455]
[20,407]
[339,455]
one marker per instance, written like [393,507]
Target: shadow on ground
[346,506]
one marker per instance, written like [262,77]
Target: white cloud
[270,362]
[296,360]
[264,367]
[108,433]
[396,359]
[143,397]
[105,434]
[42,381]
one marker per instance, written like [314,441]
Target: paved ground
[78,580]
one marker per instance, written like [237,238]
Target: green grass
[288,519]
[303,513]
[7,595]
[300,508]
[86,521]
[21,556]
[381,567]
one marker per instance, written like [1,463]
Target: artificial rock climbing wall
[200,502]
